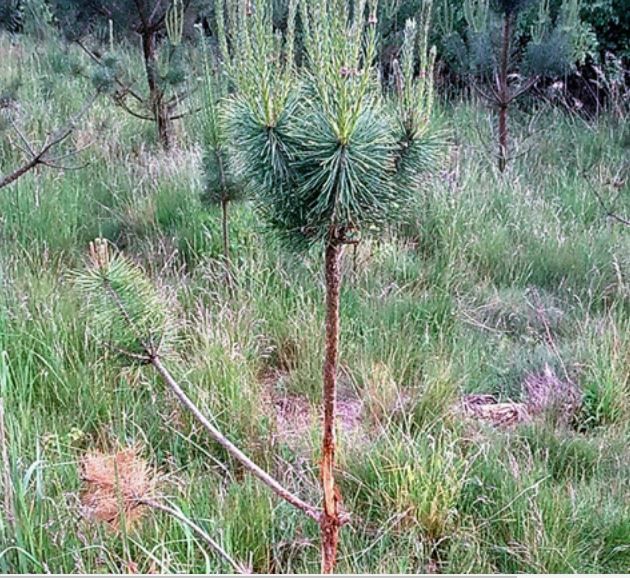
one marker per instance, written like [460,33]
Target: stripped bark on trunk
[330,522]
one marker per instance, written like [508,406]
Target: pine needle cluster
[129,313]
[328,151]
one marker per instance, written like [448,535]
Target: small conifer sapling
[502,58]
[329,154]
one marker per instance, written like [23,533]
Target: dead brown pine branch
[119,487]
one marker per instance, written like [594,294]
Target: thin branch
[39,157]
[217,436]
[121,102]
[181,96]
[71,153]
[33,162]
[609,212]
[24,140]
[54,165]
[25,151]
[186,113]
[531,82]
[141,14]
[125,87]
[155,25]
[488,97]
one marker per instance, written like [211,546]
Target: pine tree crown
[544,48]
[340,154]
[222,182]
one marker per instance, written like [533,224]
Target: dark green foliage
[333,156]
[10,15]
[221,182]
[610,21]
[543,45]
[127,15]
[340,184]
[550,58]
[511,6]
[481,59]
[105,74]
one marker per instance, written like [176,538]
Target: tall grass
[493,279]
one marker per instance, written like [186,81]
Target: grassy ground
[493,280]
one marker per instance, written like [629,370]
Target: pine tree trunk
[504,94]
[330,517]
[224,224]
[156,94]
[503,137]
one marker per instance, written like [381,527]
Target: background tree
[329,154]
[160,26]
[222,184]
[503,59]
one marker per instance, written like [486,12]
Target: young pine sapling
[329,155]
[222,184]
[503,59]
[152,21]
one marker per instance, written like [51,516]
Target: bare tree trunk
[504,91]
[503,137]
[330,522]
[156,94]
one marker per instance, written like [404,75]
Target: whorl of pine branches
[325,149]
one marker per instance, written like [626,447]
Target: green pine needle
[335,158]
[128,312]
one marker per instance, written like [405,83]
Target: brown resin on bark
[330,522]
